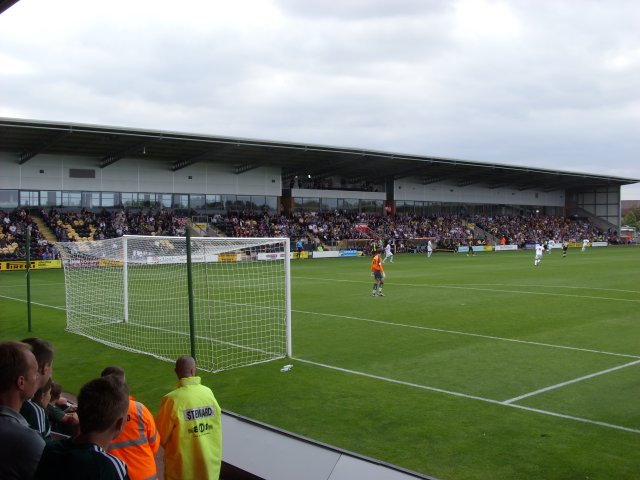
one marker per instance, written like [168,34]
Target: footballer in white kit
[539,253]
[388,254]
[429,249]
[585,242]
[550,244]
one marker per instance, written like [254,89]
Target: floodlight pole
[192,333]
[27,266]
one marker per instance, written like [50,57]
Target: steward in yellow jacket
[190,425]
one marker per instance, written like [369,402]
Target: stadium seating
[314,228]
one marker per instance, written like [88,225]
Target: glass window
[71,199]
[129,199]
[108,199]
[329,204]
[229,201]
[180,201]
[259,202]
[271,203]
[164,200]
[50,198]
[147,200]
[243,202]
[350,204]
[9,198]
[298,203]
[29,198]
[311,203]
[589,198]
[90,199]
[371,206]
[214,202]
[197,201]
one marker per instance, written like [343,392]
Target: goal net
[133,293]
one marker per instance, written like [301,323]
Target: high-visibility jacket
[190,425]
[138,443]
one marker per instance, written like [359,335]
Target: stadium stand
[337,229]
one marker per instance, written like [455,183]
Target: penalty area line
[569,382]
[468,334]
[471,397]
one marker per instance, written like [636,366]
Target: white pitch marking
[569,382]
[556,286]
[455,332]
[33,303]
[493,290]
[471,397]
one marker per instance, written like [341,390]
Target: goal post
[133,293]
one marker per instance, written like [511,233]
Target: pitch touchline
[462,287]
[455,332]
[472,397]
[32,302]
[569,382]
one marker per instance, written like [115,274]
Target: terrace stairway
[44,229]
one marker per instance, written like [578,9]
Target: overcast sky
[542,83]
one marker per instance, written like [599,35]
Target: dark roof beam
[29,154]
[403,173]
[202,156]
[430,180]
[493,185]
[466,181]
[139,147]
[326,169]
[246,167]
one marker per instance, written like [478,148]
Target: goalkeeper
[377,272]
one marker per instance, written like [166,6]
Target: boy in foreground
[102,410]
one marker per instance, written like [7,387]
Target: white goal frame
[131,293]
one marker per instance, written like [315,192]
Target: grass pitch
[469,367]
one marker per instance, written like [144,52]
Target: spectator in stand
[139,440]
[19,380]
[190,427]
[102,410]
[35,415]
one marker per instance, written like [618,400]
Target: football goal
[225,300]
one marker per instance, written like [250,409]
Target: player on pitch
[377,272]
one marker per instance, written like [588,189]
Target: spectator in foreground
[190,426]
[139,441]
[31,411]
[19,380]
[63,420]
[102,410]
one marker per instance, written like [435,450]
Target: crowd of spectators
[86,225]
[447,230]
[314,228]
[13,237]
[332,227]
[520,230]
